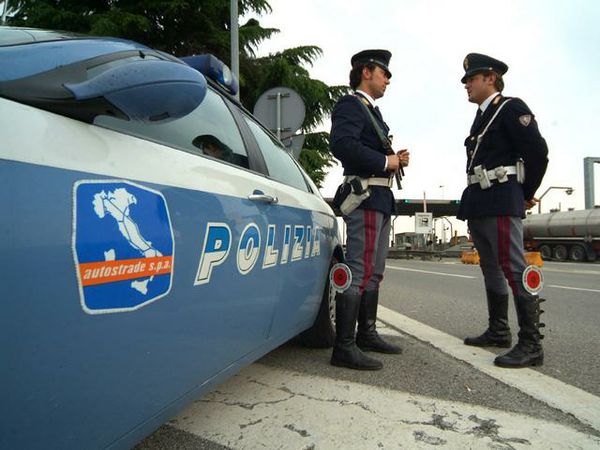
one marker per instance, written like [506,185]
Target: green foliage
[315,157]
[186,27]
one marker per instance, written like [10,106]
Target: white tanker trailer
[573,235]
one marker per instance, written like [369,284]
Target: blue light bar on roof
[215,69]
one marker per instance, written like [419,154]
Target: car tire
[322,333]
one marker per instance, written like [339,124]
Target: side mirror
[148,91]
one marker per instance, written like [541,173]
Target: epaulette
[363,100]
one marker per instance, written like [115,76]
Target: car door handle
[259,196]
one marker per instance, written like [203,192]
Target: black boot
[367,337]
[345,352]
[498,332]
[528,351]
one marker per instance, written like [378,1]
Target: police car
[155,238]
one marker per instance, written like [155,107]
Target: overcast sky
[551,48]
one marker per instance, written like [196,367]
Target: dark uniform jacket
[512,135]
[354,141]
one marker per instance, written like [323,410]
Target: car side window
[279,162]
[209,130]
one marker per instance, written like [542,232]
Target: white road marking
[273,408]
[429,271]
[569,399]
[573,288]
[575,271]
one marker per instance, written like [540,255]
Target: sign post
[282,110]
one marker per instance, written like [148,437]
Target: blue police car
[154,239]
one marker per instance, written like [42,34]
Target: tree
[285,69]
[186,27]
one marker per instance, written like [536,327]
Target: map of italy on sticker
[123,245]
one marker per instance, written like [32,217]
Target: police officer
[506,161]
[357,140]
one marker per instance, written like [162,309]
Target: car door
[310,230]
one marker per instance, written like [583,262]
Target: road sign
[423,222]
[294,144]
[281,110]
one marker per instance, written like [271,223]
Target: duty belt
[376,181]
[499,174]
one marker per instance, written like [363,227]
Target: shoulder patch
[525,119]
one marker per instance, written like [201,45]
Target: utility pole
[235,45]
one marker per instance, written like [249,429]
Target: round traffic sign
[289,114]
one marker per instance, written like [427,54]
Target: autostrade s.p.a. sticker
[123,245]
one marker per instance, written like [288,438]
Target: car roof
[35,51]
[23,35]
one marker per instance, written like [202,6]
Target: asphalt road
[438,393]
[450,297]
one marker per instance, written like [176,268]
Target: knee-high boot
[345,352]
[528,351]
[498,332]
[367,337]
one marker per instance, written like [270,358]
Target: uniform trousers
[367,245]
[499,242]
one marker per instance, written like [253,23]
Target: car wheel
[322,333]
[577,253]
[560,253]
[546,252]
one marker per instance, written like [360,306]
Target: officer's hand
[393,163]
[531,203]
[404,156]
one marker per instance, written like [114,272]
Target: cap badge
[525,119]
[466,63]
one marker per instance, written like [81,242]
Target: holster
[482,176]
[520,164]
[351,193]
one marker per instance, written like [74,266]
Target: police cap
[378,57]
[476,63]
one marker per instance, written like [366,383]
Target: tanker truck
[572,235]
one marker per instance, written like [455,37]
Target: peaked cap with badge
[475,63]
[378,57]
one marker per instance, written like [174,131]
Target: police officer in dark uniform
[506,161]
[356,140]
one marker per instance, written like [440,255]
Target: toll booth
[410,241]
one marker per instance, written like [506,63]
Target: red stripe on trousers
[504,249]
[369,219]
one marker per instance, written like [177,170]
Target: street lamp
[568,190]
